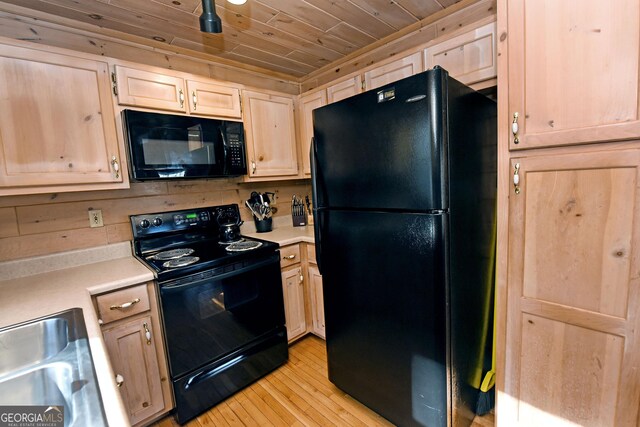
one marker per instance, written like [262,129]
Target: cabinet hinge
[364,85]
[114,81]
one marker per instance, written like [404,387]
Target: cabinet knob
[147,333]
[292,256]
[181,98]
[514,128]
[516,178]
[119,380]
[195,100]
[253,167]
[116,166]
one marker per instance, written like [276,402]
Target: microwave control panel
[235,147]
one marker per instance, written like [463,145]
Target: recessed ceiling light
[237,1]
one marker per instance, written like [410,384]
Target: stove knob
[144,223]
[157,221]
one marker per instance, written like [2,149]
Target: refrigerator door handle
[314,196]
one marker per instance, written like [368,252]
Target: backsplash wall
[48,223]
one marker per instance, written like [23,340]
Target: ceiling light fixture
[237,1]
[209,21]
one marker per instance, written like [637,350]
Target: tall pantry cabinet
[569,227]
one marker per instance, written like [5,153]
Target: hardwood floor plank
[298,394]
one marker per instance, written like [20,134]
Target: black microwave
[167,146]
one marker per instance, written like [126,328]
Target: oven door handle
[205,375]
[169,288]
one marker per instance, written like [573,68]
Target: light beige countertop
[283,232]
[27,293]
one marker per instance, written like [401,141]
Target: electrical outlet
[274,199]
[95,218]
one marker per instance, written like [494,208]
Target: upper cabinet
[469,57]
[213,100]
[344,89]
[306,105]
[577,80]
[148,89]
[393,71]
[270,135]
[57,124]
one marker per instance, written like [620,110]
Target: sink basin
[47,361]
[32,343]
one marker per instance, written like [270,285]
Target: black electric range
[221,303]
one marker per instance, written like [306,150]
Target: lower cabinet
[317,301]
[293,293]
[302,290]
[132,334]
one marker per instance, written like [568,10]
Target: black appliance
[404,186]
[166,146]
[221,304]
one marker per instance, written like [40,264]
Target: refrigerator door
[384,149]
[385,299]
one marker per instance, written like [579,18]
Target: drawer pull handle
[119,380]
[292,256]
[125,305]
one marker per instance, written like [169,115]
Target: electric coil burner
[222,307]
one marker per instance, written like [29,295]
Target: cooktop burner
[172,254]
[181,262]
[187,242]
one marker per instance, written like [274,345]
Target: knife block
[299,219]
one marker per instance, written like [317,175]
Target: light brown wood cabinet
[344,89]
[57,125]
[317,300]
[573,327]
[133,337]
[270,134]
[469,57]
[293,293]
[569,214]
[306,105]
[176,92]
[573,77]
[393,71]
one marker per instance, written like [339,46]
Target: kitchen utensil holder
[264,225]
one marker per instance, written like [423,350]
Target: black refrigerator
[404,189]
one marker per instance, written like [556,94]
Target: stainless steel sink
[47,361]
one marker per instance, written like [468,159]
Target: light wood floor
[296,394]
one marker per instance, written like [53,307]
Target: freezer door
[384,153]
[385,296]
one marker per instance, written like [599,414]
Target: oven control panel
[148,225]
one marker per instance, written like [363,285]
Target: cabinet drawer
[123,303]
[311,253]
[289,255]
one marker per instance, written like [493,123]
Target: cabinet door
[573,315]
[393,71]
[344,89]
[210,99]
[308,103]
[469,57]
[141,88]
[317,300]
[57,124]
[293,292]
[271,135]
[573,77]
[131,348]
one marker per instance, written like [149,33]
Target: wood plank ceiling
[291,37]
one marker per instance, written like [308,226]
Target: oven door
[208,318]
